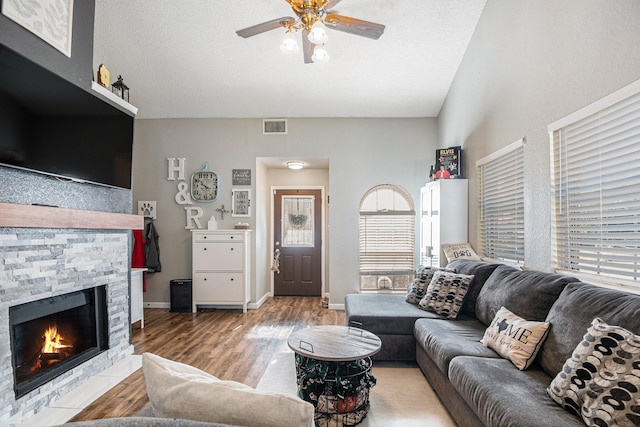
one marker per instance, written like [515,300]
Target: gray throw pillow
[446,293]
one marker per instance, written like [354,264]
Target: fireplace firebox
[53,335]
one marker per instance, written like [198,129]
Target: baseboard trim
[157,305]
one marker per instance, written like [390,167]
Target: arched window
[387,238]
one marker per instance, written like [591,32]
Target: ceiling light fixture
[318,35]
[320,54]
[289,44]
[295,165]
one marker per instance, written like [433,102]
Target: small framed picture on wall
[240,202]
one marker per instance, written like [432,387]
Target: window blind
[500,191]
[387,236]
[387,242]
[596,182]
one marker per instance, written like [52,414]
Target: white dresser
[220,268]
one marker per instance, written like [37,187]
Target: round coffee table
[333,369]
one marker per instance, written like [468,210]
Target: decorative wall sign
[147,208]
[240,202]
[182,196]
[175,165]
[241,177]
[51,20]
[193,215]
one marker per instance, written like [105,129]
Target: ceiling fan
[309,14]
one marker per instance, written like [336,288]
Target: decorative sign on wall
[175,165]
[241,177]
[51,20]
[147,208]
[240,202]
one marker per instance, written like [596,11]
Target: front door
[297,235]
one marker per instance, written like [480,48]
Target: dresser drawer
[218,237]
[218,256]
[212,288]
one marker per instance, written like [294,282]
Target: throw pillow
[446,293]
[600,382]
[177,390]
[460,251]
[515,338]
[418,287]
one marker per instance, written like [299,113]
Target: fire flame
[53,340]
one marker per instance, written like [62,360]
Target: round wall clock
[204,185]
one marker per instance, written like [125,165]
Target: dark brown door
[297,226]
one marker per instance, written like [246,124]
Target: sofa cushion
[177,390]
[501,395]
[442,341]
[528,294]
[446,293]
[480,272]
[574,311]
[515,338]
[601,380]
[384,313]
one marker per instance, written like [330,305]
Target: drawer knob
[205,249]
[232,279]
[231,248]
[232,237]
[205,279]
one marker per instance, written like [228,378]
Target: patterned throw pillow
[515,338]
[600,382]
[460,251]
[418,287]
[446,293]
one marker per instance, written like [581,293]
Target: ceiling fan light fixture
[295,165]
[289,43]
[320,54]
[318,34]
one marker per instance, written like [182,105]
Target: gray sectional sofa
[476,385]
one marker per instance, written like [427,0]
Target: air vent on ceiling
[274,126]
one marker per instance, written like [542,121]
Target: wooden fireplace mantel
[34,216]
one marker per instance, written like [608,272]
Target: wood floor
[226,343]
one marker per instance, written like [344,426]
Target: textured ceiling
[184,59]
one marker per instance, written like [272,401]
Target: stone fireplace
[73,262]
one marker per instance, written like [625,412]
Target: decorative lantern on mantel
[120,89]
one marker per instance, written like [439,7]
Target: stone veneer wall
[39,263]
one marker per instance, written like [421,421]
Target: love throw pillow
[515,338]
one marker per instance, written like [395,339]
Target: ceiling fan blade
[265,26]
[307,47]
[355,26]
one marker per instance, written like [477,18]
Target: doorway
[298,241]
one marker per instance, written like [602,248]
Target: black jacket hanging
[151,249]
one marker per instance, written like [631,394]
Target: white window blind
[501,203]
[387,235]
[596,182]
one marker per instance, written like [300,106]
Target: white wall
[530,63]
[362,153]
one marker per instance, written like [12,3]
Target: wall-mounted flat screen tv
[50,125]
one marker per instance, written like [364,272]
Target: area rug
[401,398]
